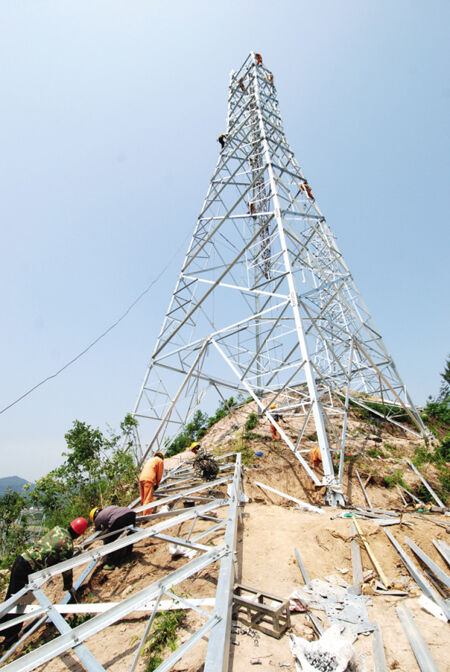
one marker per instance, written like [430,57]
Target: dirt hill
[272,528]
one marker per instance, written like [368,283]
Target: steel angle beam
[37,611]
[427,485]
[9,603]
[28,631]
[33,610]
[196,637]
[302,567]
[80,650]
[182,542]
[71,639]
[417,642]
[217,655]
[379,657]
[38,578]
[435,569]
[443,549]
[212,529]
[417,575]
[358,577]
[189,491]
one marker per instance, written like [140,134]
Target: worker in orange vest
[315,456]
[149,479]
[275,434]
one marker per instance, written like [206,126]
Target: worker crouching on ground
[149,479]
[275,434]
[109,519]
[54,547]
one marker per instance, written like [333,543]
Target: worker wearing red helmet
[53,547]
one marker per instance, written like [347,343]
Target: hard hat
[94,511]
[195,445]
[79,525]
[273,406]
[159,454]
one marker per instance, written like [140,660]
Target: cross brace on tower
[265,304]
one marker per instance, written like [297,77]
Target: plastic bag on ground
[331,653]
[177,550]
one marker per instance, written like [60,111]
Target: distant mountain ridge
[14,482]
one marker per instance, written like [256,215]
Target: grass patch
[373,452]
[395,479]
[248,455]
[251,422]
[78,619]
[162,637]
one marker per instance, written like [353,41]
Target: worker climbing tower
[265,305]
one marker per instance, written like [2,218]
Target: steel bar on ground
[427,485]
[437,571]
[405,503]
[302,567]
[366,496]
[410,494]
[217,655]
[33,610]
[358,577]
[417,575]
[304,505]
[418,645]
[443,549]
[379,657]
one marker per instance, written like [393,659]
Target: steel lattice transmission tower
[265,304]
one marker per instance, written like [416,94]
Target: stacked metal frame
[265,304]
[180,485]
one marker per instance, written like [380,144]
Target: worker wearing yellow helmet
[149,479]
[275,434]
[195,447]
[110,519]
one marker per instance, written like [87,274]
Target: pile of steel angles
[180,486]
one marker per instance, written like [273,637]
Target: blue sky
[108,124]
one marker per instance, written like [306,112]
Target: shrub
[163,635]
[251,422]
[373,452]
[395,479]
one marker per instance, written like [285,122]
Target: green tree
[99,469]
[444,392]
[13,526]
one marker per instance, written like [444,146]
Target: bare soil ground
[271,529]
